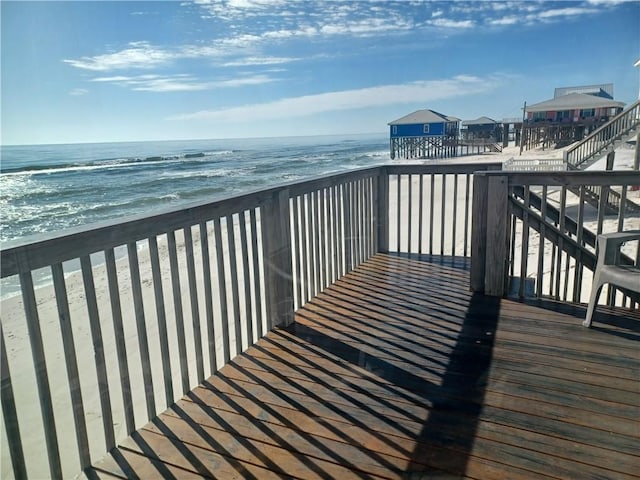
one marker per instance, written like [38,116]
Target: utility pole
[524,109]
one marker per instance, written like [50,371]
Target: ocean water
[47,188]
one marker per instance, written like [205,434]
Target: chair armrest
[609,245]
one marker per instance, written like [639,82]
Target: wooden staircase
[604,140]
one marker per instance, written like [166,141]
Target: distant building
[483,128]
[574,107]
[424,134]
[573,113]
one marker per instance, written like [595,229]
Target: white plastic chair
[609,270]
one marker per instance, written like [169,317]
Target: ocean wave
[110,163]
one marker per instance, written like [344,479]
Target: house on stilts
[573,113]
[424,134]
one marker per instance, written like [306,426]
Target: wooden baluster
[10,416]
[162,320]
[208,296]
[141,327]
[177,308]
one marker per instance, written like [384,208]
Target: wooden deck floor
[397,371]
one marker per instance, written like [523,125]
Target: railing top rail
[415,168]
[593,134]
[567,178]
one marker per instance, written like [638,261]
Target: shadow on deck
[397,371]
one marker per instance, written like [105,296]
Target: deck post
[276,236]
[381,226]
[479,232]
[497,236]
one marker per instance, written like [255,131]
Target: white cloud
[510,20]
[450,23]
[138,55]
[566,12]
[180,82]
[414,93]
[249,61]
[78,92]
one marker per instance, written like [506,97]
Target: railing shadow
[454,399]
[612,321]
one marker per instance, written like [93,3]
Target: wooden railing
[139,312]
[538,237]
[596,144]
[432,211]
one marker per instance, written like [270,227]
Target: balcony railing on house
[142,311]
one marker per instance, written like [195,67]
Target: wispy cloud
[78,92]
[137,55]
[450,23]
[565,12]
[283,22]
[249,61]
[180,82]
[410,93]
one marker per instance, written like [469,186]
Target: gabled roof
[424,116]
[573,101]
[480,121]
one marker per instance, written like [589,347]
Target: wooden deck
[397,371]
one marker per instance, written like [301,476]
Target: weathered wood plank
[397,370]
[177,308]
[497,236]
[141,330]
[208,296]
[162,321]
[382,214]
[121,349]
[478,233]
[42,379]
[233,280]
[246,286]
[71,363]
[222,289]
[10,415]
[193,300]
[98,347]
[256,270]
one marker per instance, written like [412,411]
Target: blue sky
[86,71]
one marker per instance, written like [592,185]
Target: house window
[539,116]
[588,112]
[394,129]
[425,128]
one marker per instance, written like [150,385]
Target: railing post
[479,231]
[382,212]
[276,237]
[489,234]
[497,251]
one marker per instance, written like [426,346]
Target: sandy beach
[17,341]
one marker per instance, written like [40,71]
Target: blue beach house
[424,134]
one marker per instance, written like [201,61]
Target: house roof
[573,101]
[480,121]
[424,116]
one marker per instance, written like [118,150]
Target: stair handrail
[627,113]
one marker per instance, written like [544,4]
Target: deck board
[398,371]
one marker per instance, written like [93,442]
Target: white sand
[18,348]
